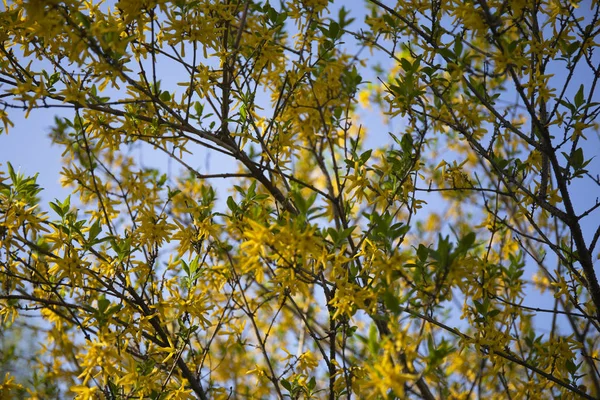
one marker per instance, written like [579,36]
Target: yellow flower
[181,393]
[363,98]
[9,388]
[307,361]
[85,392]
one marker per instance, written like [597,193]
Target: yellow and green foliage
[403,200]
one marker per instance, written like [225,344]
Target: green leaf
[337,112]
[334,30]
[577,158]
[185,267]
[373,342]
[243,113]
[162,180]
[165,96]
[392,302]
[447,53]
[579,97]
[573,47]
[199,108]
[422,253]
[232,204]
[286,384]
[193,266]
[94,231]
[467,241]
[458,47]
[103,304]
[11,172]
[338,237]
[407,143]
[364,157]
[406,65]
[342,18]
[57,209]
[281,17]
[83,19]
[173,193]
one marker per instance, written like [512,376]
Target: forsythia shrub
[405,203]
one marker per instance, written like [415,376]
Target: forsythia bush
[405,203]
